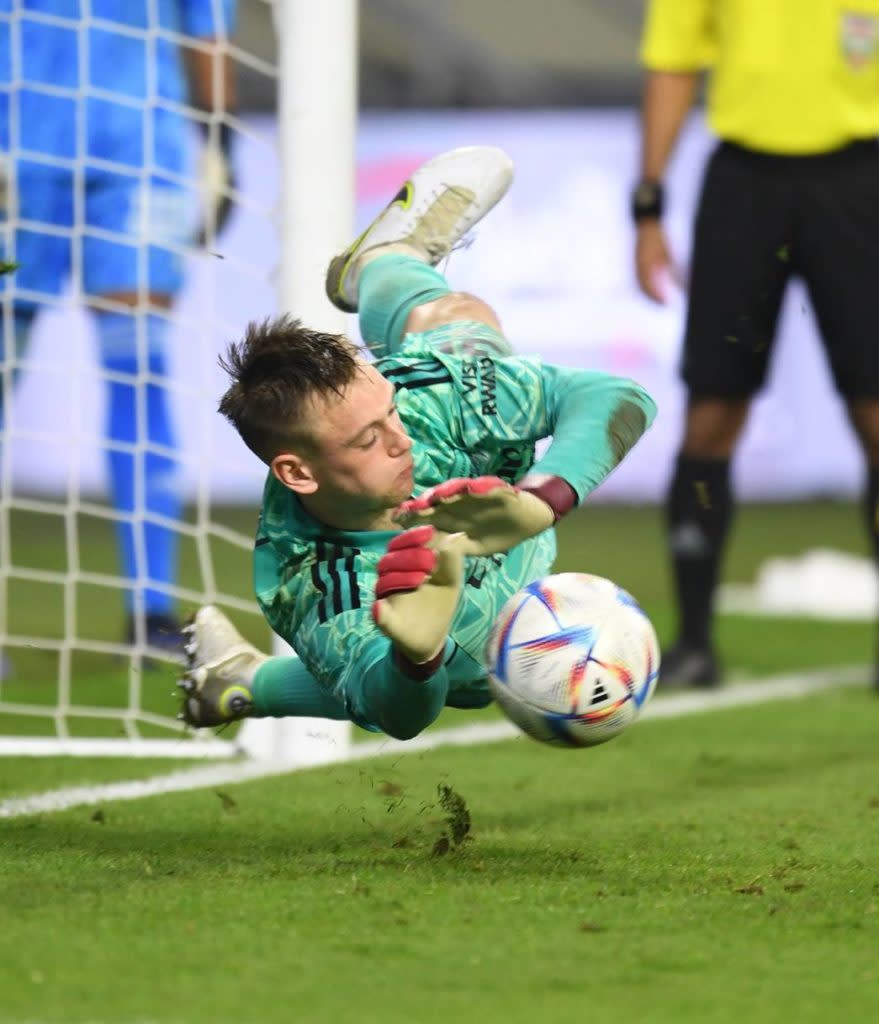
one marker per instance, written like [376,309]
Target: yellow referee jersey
[787,76]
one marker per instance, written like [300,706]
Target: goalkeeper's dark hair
[276,370]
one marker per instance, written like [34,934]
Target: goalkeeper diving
[403,505]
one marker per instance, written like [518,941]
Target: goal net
[125,499]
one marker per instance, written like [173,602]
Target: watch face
[647,200]
[646,193]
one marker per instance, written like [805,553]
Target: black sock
[699,511]
[871,509]
[871,512]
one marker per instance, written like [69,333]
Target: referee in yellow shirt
[792,188]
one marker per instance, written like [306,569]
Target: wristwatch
[647,200]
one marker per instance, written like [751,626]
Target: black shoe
[163,635]
[687,665]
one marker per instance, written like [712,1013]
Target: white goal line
[756,691]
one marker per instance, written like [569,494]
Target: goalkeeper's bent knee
[390,287]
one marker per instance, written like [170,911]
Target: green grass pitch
[717,867]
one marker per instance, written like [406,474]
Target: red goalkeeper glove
[494,515]
[419,583]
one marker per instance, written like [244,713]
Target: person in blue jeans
[97,102]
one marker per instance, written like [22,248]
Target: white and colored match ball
[572,659]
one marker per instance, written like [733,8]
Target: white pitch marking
[756,691]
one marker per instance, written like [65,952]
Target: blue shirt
[111,86]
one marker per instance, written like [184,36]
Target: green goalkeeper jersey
[467,416]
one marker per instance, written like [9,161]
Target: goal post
[70,682]
[317,122]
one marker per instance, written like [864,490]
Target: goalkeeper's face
[360,460]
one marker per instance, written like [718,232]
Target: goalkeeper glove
[419,583]
[216,180]
[494,515]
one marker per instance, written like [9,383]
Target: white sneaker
[433,210]
[217,685]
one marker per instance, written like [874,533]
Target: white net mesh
[88,373]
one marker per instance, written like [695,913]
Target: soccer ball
[572,659]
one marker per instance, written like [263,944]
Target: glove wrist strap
[554,491]
[415,670]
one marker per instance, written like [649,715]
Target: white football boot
[217,684]
[433,211]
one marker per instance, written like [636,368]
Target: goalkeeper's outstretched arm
[386,663]
[595,419]
[417,591]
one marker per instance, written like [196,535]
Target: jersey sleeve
[679,35]
[352,657]
[593,418]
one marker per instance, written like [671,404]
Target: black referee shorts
[761,219]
